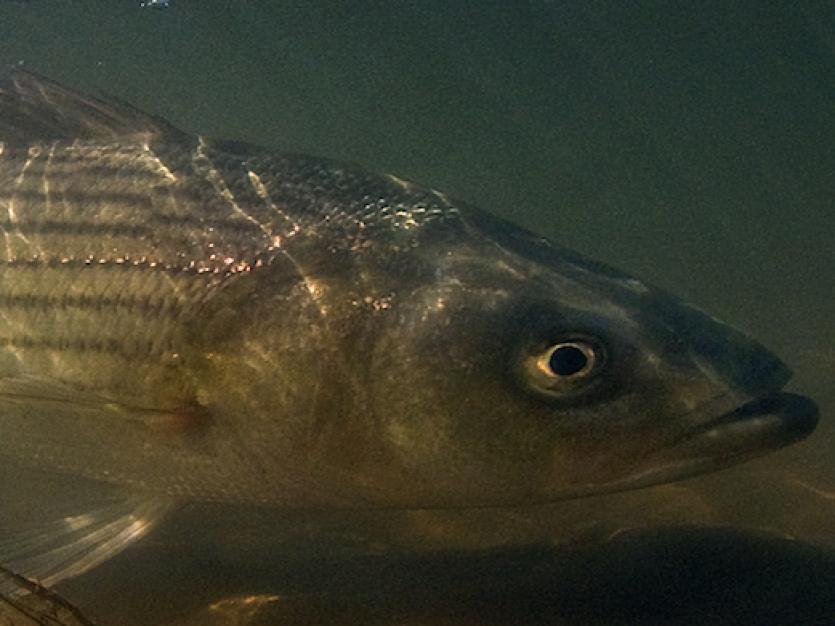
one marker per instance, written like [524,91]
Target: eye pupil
[567,367]
[567,360]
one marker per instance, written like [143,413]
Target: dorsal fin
[34,109]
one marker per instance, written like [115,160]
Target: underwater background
[690,144]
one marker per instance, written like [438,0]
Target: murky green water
[688,144]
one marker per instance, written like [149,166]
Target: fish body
[190,319]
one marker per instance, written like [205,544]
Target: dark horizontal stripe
[108,345]
[125,263]
[219,227]
[125,198]
[151,223]
[97,303]
[76,170]
[65,152]
[51,227]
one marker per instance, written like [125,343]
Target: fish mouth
[754,428]
[763,424]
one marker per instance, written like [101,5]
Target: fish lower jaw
[751,430]
[771,421]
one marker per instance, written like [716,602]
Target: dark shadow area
[677,576]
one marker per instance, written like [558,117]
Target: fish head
[516,372]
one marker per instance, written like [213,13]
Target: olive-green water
[688,143]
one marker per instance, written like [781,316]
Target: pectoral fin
[48,424]
[53,523]
[57,527]
[35,393]
[73,467]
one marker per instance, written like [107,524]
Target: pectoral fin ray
[75,541]
[41,392]
[48,423]
[77,442]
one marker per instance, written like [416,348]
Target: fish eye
[564,366]
[567,359]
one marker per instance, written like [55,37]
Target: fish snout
[742,363]
[749,413]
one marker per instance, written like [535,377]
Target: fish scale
[129,281]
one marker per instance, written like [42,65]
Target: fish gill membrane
[190,320]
